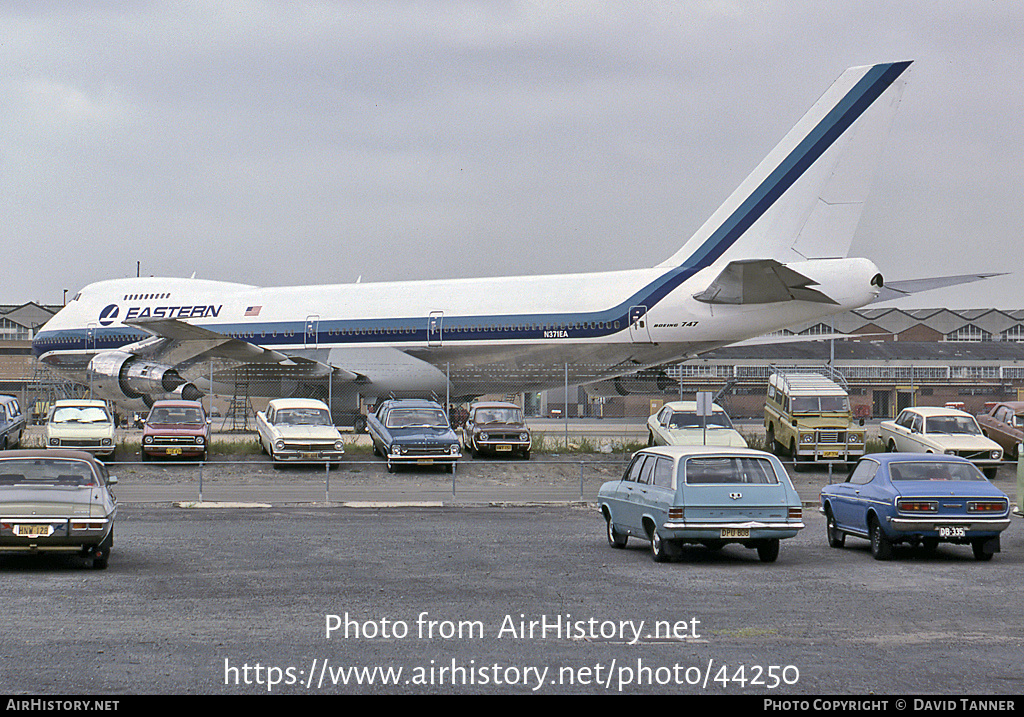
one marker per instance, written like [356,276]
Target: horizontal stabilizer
[760,281]
[899,289]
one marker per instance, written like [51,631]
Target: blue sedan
[413,432]
[920,499]
[709,495]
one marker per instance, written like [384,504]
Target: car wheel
[769,440]
[650,439]
[659,547]
[881,546]
[526,454]
[768,551]
[990,473]
[615,538]
[892,446]
[930,545]
[101,559]
[978,547]
[391,467]
[836,537]
[714,545]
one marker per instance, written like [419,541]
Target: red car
[176,428]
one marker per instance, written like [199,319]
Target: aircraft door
[311,333]
[639,333]
[434,324]
[90,336]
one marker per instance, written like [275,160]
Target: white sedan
[928,429]
[677,424]
[299,430]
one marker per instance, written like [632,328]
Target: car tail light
[986,506]
[917,506]
[88,524]
[675,513]
[796,513]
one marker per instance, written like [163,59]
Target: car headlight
[524,436]
[147,439]
[453,449]
[482,436]
[996,455]
[854,438]
[106,442]
[950,452]
[339,445]
[200,440]
[54,441]
[279,444]
[396,450]
[807,438]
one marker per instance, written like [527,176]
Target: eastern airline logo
[108,315]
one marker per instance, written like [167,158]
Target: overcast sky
[276,143]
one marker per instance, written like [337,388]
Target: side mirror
[111,480]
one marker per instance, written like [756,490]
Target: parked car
[81,424]
[930,429]
[808,417]
[299,430]
[56,501]
[921,499]
[413,432]
[12,422]
[671,495]
[677,424]
[496,428]
[1004,424]
[176,428]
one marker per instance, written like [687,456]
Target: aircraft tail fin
[805,199]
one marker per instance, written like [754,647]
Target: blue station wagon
[917,498]
[413,432]
[708,495]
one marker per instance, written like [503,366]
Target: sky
[302,142]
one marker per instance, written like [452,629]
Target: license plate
[952,531]
[503,447]
[174,451]
[830,454]
[425,461]
[33,531]
[310,456]
[735,532]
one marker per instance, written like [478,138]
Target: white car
[299,430]
[81,424]
[926,429]
[677,424]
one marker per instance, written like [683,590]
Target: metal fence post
[1020,479]
[200,481]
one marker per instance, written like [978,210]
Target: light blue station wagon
[708,495]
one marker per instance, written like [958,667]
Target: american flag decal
[253,311]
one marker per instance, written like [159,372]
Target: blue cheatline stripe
[822,136]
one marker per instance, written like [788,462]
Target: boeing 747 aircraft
[774,254]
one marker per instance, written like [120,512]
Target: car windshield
[934,470]
[729,470]
[821,404]
[176,416]
[419,417]
[498,415]
[680,419]
[46,472]
[952,424]
[303,417]
[80,414]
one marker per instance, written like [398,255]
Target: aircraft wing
[177,343]
[899,289]
[760,281]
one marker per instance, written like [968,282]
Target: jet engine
[123,375]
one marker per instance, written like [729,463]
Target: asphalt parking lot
[493,596]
